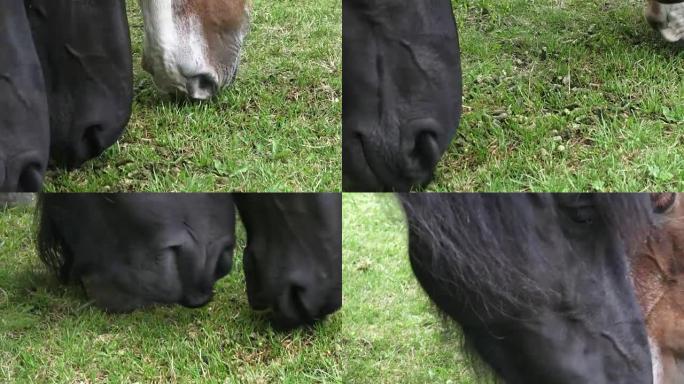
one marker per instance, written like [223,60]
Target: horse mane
[466,234]
[51,248]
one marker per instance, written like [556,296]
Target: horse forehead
[217,13]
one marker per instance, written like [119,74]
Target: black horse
[85,51]
[66,85]
[24,127]
[402,87]
[134,250]
[539,283]
[401,91]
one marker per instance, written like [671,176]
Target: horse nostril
[293,308]
[21,175]
[224,263]
[197,299]
[420,146]
[30,178]
[201,87]
[297,300]
[92,141]
[426,149]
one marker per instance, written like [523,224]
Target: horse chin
[284,323]
[107,295]
[230,74]
[285,318]
[673,35]
[229,60]
[113,301]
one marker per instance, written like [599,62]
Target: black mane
[52,250]
[468,234]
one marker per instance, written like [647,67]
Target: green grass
[397,337]
[565,95]
[386,332]
[48,333]
[276,129]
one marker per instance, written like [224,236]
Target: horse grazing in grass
[193,46]
[85,53]
[658,274]
[66,80]
[134,250]
[66,85]
[402,87]
[539,283]
[401,92]
[24,124]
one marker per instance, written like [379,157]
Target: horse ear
[663,202]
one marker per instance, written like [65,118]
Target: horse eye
[163,255]
[582,215]
[579,207]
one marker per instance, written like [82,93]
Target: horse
[24,124]
[401,91]
[193,47]
[539,283]
[85,87]
[666,16]
[402,87]
[131,251]
[80,102]
[66,86]
[85,52]
[658,274]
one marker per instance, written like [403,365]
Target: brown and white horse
[193,46]
[658,275]
[667,16]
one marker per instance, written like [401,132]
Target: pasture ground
[395,334]
[49,333]
[565,95]
[386,332]
[276,129]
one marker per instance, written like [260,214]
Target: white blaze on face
[656,362]
[175,50]
[668,18]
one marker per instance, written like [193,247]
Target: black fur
[135,250]
[529,275]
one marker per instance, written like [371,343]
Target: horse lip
[296,316]
[369,177]
[196,300]
[383,180]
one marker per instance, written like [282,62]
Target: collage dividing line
[342,191]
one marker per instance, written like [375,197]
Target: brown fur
[217,17]
[652,14]
[653,7]
[658,273]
